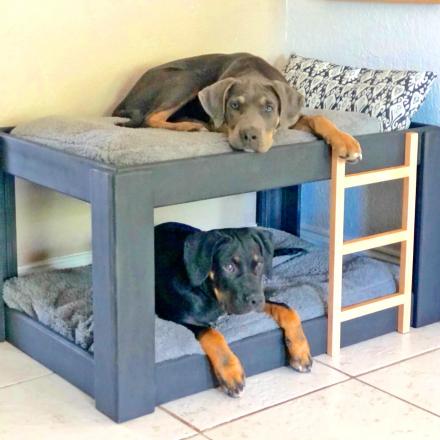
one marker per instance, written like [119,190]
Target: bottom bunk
[50,317]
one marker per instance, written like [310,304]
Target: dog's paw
[300,358]
[347,147]
[231,377]
[302,364]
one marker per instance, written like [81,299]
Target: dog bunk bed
[123,184]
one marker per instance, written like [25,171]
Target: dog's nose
[250,137]
[257,303]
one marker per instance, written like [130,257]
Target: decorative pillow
[392,96]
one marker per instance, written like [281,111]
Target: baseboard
[310,233]
[320,237]
[63,262]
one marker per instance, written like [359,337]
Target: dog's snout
[250,136]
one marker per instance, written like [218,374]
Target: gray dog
[239,94]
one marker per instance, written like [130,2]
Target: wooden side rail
[338,247]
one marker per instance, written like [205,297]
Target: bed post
[123,293]
[280,209]
[8,242]
[427,233]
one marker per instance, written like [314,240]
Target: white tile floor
[385,388]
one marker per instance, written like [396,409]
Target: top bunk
[178,167]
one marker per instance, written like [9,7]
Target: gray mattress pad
[62,299]
[101,140]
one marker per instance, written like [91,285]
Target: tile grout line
[275,405]
[378,368]
[180,419]
[397,397]
[201,434]
[314,391]
[2,387]
[334,368]
[399,362]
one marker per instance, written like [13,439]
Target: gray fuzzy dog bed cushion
[62,299]
[101,140]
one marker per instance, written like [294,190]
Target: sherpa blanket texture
[101,140]
[62,299]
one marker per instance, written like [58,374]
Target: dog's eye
[230,267]
[235,105]
[268,108]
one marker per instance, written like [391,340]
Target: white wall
[80,57]
[376,35]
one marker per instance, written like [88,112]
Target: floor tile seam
[3,387]
[276,405]
[397,362]
[334,368]
[415,405]
[378,368]
[181,419]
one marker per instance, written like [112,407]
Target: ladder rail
[335,254]
[408,223]
[338,248]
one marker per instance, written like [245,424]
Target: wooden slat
[374,241]
[375,176]
[372,306]
[335,255]
[408,220]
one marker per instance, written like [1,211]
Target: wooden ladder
[338,247]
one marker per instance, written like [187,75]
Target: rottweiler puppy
[201,276]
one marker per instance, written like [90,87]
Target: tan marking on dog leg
[296,342]
[345,144]
[159,120]
[225,363]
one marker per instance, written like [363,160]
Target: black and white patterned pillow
[392,96]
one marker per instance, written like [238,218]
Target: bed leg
[123,293]
[8,247]
[427,236]
[280,209]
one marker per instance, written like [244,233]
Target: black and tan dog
[239,94]
[201,276]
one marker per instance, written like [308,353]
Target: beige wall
[80,57]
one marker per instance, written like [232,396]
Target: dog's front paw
[347,147]
[300,358]
[231,376]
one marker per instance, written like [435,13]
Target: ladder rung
[371,306]
[374,241]
[376,176]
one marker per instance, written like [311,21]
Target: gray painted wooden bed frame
[122,375]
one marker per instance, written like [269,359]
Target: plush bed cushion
[62,299]
[100,139]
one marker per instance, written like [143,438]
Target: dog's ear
[291,103]
[265,242]
[213,99]
[198,254]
